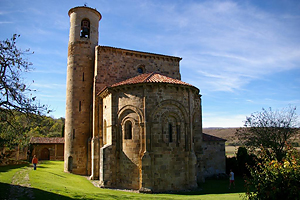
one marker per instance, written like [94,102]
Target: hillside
[225,133]
[229,135]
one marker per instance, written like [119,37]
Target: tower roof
[85,7]
[153,77]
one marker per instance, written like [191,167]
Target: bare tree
[270,129]
[15,95]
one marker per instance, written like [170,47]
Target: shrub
[231,163]
[240,162]
[274,179]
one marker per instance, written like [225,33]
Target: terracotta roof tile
[207,137]
[43,140]
[153,77]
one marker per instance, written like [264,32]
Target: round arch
[127,109]
[166,103]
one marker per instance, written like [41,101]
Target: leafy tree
[275,179]
[269,129]
[240,162]
[27,127]
[47,127]
[13,131]
[242,158]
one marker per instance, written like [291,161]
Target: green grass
[231,150]
[6,176]
[50,182]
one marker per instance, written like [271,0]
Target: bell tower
[83,39]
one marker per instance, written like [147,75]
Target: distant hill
[229,135]
[225,133]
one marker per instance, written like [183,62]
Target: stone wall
[107,166]
[214,160]
[107,120]
[170,132]
[114,65]
[129,119]
[56,151]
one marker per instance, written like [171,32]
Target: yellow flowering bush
[275,179]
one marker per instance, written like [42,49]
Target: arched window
[85,29]
[70,163]
[178,134]
[128,130]
[141,69]
[170,132]
[170,129]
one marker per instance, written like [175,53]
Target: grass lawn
[231,150]
[50,182]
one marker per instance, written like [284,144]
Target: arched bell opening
[85,28]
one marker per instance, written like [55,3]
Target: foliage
[27,126]
[244,159]
[231,164]
[239,163]
[269,129]
[273,178]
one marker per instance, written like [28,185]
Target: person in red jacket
[34,162]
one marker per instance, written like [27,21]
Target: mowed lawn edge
[50,182]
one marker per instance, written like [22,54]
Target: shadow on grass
[8,191]
[55,174]
[10,167]
[218,186]
[47,164]
[23,193]
[39,166]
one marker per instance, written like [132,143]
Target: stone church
[130,121]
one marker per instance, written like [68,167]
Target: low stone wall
[13,157]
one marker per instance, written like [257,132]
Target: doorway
[45,154]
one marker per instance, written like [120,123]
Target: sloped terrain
[225,133]
[229,135]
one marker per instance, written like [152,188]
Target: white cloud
[274,103]
[244,44]
[215,120]
[5,22]
[57,97]
[49,86]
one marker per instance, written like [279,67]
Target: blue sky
[243,55]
